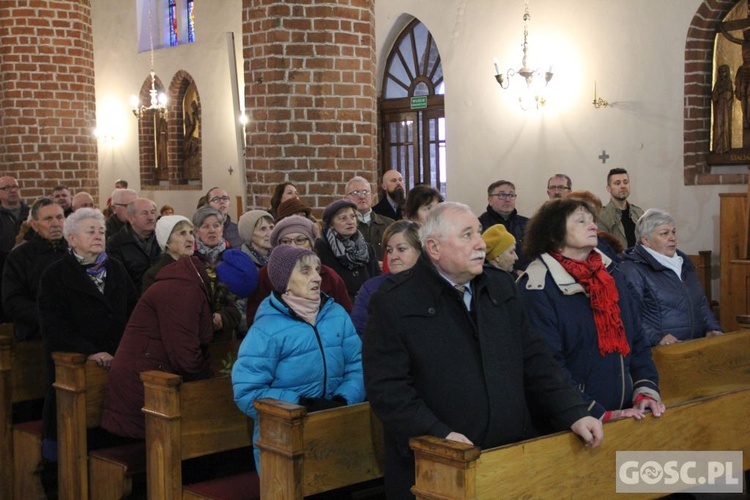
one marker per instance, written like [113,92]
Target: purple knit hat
[281,264]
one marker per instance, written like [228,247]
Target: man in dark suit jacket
[448,352]
[370,224]
[392,201]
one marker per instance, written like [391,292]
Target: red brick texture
[47,100]
[310,96]
[699,47]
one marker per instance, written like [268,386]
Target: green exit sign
[419,102]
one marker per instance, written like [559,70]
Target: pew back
[187,420]
[21,379]
[304,454]
[703,367]
[560,465]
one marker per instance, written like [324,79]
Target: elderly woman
[402,249]
[585,311]
[209,231]
[85,300]
[302,347]
[255,229]
[281,193]
[169,331]
[673,306]
[343,248]
[174,234]
[302,232]
[419,202]
[501,248]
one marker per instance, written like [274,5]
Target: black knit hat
[281,264]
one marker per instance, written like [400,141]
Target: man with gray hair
[371,225]
[448,352]
[135,244]
[24,267]
[82,199]
[120,200]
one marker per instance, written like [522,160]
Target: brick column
[310,96]
[47,101]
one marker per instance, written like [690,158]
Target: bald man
[392,201]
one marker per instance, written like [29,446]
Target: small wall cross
[604,156]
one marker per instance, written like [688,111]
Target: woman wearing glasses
[301,232]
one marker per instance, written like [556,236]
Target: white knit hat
[164,227]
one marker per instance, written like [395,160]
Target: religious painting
[161,148]
[191,134]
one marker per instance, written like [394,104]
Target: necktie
[465,295]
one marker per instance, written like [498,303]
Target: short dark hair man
[618,217]
[13,212]
[448,352]
[26,263]
[558,186]
[135,244]
[61,196]
[370,224]
[391,202]
[501,209]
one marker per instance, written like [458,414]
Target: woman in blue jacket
[672,303]
[578,300]
[302,347]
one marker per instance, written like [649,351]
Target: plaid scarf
[97,271]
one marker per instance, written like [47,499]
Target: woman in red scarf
[578,299]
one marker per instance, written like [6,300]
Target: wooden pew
[702,263]
[21,379]
[188,420]
[303,454]
[81,388]
[703,367]
[559,465]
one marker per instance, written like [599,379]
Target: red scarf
[600,286]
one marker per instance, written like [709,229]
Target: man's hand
[590,430]
[668,339]
[455,436]
[103,359]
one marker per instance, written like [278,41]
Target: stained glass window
[191,20]
[172,6]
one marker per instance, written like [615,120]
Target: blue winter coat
[284,358]
[560,310]
[359,312]
[668,304]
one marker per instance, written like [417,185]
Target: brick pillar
[47,101]
[310,96]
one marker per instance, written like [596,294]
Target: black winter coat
[353,278]
[124,247]
[432,368]
[516,225]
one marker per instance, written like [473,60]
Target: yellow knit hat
[498,240]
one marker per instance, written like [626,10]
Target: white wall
[121,70]
[634,49]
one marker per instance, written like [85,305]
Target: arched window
[166,23]
[412,110]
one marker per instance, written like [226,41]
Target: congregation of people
[486,329]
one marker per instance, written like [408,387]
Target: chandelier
[532,77]
[158,101]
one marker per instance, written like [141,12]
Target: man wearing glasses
[12,212]
[121,198]
[558,186]
[371,225]
[501,209]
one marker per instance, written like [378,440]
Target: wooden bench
[21,379]
[303,454]
[559,465]
[188,420]
[702,263]
[703,367]
[106,473]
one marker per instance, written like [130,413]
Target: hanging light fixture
[532,77]
[158,102]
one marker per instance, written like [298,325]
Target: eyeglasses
[10,187]
[298,241]
[359,192]
[119,205]
[505,196]
[219,199]
[558,188]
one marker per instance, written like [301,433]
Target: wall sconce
[105,134]
[244,120]
[598,102]
[532,77]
